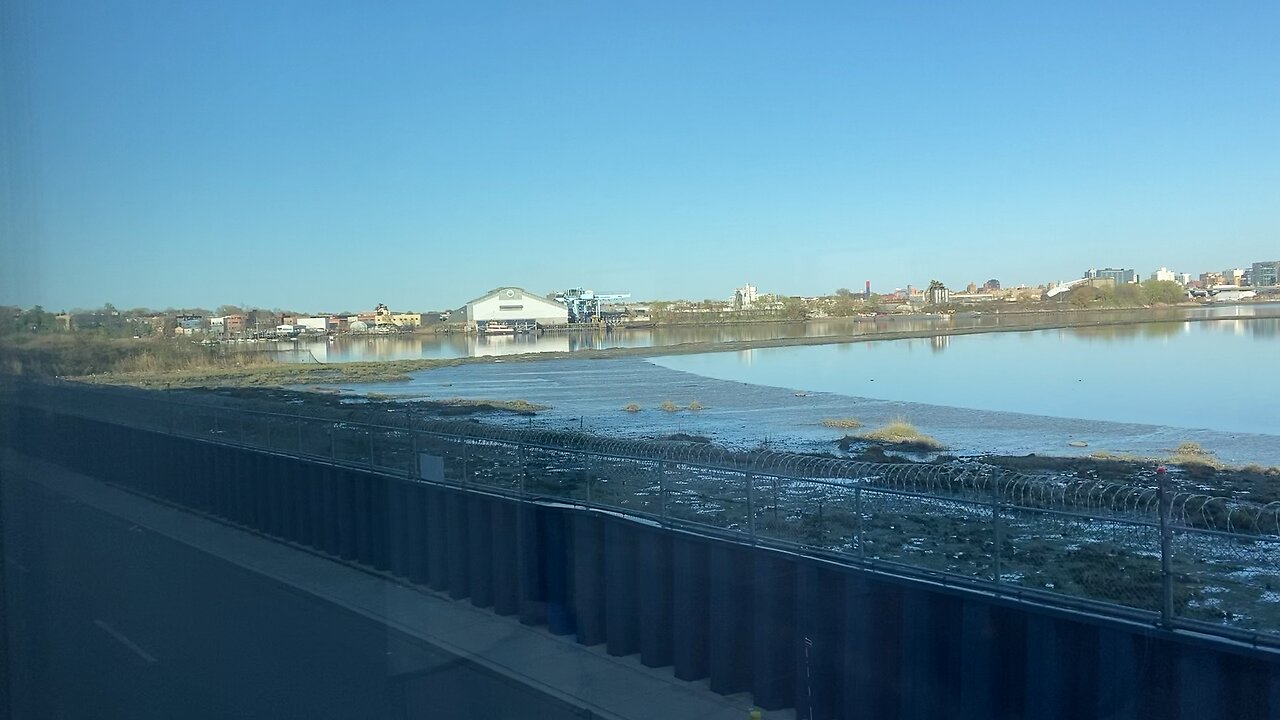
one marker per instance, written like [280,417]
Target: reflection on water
[404,347]
[1185,374]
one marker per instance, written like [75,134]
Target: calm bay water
[1140,389]
[1218,375]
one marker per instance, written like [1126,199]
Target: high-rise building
[1119,276]
[1233,277]
[1164,275]
[1266,274]
[744,297]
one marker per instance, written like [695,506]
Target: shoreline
[281,374]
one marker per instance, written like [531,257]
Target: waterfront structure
[1266,274]
[1119,276]
[514,307]
[407,320]
[313,324]
[589,306]
[937,294]
[226,326]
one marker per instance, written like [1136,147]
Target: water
[428,345]
[1211,375]
[1139,389]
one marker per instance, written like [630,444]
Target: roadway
[109,619]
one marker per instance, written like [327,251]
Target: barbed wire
[972,481]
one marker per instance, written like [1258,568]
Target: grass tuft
[668,406]
[632,408]
[1190,454]
[904,434]
[695,406]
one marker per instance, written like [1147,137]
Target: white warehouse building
[513,309]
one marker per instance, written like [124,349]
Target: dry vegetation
[632,408]
[695,406]
[903,434]
[841,423]
[668,406]
[1189,454]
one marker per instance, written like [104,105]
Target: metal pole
[776,526]
[524,471]
[662,492]
[1166,542]
[413,459]
[998,526]
[466,461]
[751,508]
[862,538]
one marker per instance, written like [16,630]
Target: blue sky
[329,156]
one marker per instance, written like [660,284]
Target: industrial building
[512,309]
[588,306]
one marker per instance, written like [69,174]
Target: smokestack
[867,293]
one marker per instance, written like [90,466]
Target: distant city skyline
[333,156]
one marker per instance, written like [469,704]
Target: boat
[497,328]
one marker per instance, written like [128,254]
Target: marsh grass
[903,434]
[1191,455]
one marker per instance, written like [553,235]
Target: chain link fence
[1146,550]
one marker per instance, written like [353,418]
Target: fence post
[997,526]
[524,471]
[862,537]
[751,508]
[776,503]
[466,461]
[413,449]
[1166,542]
[662,493]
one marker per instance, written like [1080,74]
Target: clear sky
[328,156]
